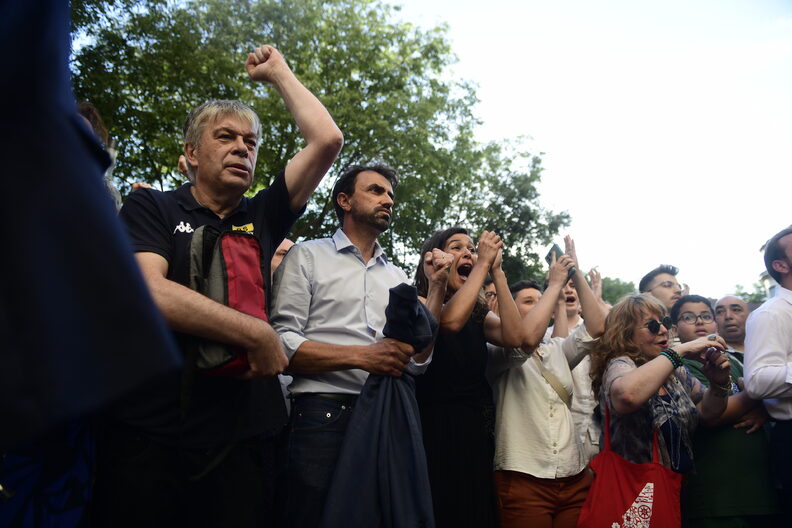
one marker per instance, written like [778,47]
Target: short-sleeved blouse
[631,434]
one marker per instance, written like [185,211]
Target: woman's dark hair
[89,112]
[438,241]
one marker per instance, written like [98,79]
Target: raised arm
[503,329]
[190,312]
[630,391]
[534,324]
[437,264]
[322,137]
[457,310]
[593,312]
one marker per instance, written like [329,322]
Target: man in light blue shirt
[329,304]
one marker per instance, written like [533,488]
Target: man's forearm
[322,137]
[191,313]
[312,118]
[312,357]
[711,407]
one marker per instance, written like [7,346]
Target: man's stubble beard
[372,220]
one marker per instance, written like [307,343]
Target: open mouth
[663,343]
[464,271]
[571,300]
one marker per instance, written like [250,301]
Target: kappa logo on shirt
[183,228]
[247,228]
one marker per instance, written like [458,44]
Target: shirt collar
[342,242]
[185,198]
[783,293]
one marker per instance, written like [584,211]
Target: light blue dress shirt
[324,291]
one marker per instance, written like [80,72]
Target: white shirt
[323,291]
[768,354]
[583,399]
[534,430]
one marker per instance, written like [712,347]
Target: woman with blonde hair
[643,384]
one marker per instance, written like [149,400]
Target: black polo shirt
[218,408]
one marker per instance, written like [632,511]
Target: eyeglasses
[490,295]
[691,318]
[654,325]
[668,285]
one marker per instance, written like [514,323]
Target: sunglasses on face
[654,325]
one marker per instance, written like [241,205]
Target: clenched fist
[265,63]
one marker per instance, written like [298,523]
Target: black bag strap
[203,249]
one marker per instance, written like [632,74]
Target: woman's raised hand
[696,349]
[716,366]
[490,247]
[437,264]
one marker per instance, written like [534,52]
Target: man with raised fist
[194,449]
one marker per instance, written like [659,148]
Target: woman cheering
[455,400]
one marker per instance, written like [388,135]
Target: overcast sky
[666,126]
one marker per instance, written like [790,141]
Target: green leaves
[614,289]
[147,64]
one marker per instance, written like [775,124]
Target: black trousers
[781,453]
[142,483]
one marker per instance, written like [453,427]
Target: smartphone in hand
[556,250]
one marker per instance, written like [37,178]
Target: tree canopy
[614,289]
[145,64]
[757,296]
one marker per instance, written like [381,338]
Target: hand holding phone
[556,250]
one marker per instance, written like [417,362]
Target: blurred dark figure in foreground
[78,327]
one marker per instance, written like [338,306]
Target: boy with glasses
[735,448]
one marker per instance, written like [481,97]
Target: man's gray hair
[208,112]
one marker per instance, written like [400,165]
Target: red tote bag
[629,495]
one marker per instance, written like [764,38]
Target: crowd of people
[524,383]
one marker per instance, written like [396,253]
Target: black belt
[344,398]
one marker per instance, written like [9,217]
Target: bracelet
[722,390]
[673,357]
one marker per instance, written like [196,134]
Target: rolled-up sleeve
[501,359]
[291,298]
[577,345]
[768,371]
[415,368]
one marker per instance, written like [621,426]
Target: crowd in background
[522,384]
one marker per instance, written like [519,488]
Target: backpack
[227,267]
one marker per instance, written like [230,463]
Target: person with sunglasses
[735,446]
[642,383]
